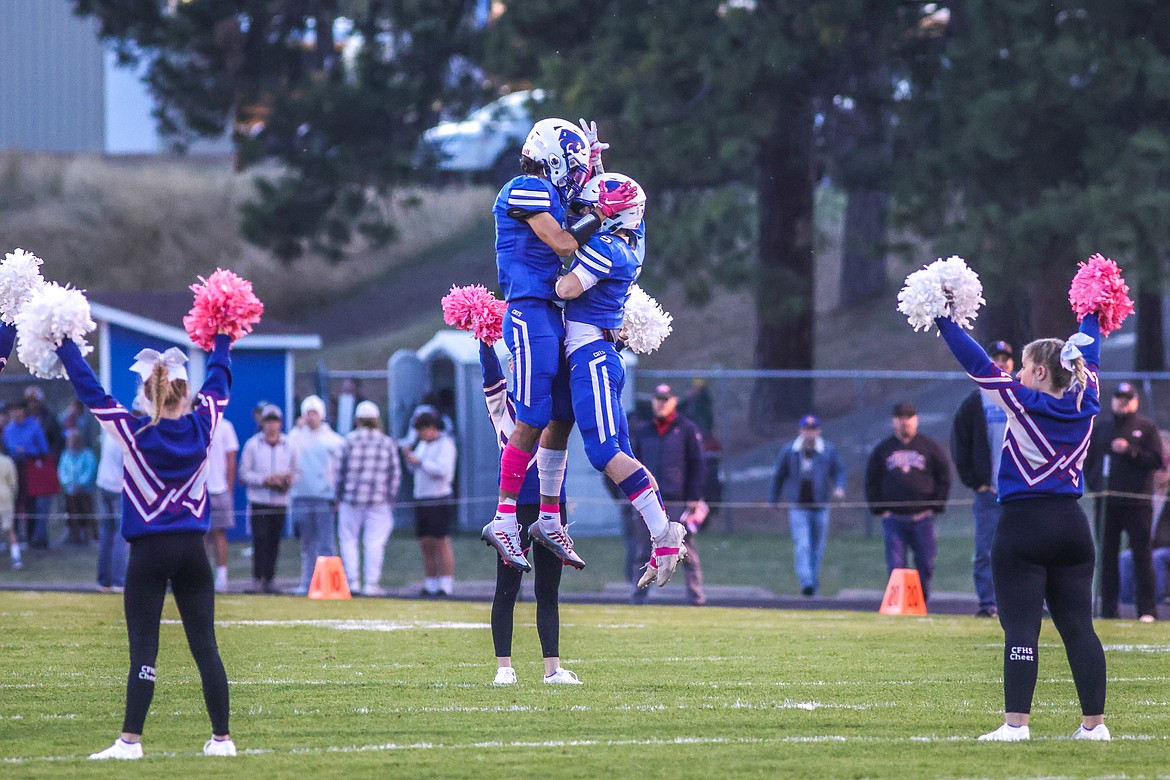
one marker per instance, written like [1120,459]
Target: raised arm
[1091,352]
[89,390]
[219,369]
[967,351]
[7,339]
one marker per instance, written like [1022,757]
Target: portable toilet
[447,368]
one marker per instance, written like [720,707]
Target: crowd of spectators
[335,485]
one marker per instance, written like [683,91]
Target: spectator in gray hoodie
[313,497]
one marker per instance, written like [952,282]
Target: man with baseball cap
[977,434]
[670,447]
[1125,452]
[907,482]
[807,470]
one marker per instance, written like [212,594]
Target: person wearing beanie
[312,498]
[367,482]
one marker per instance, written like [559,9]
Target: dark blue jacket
[674,457]
[828,471]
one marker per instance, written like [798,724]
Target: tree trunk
[1150,350]
[784,289]
[863,262]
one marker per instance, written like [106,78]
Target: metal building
[52,79]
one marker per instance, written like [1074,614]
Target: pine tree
[338,116]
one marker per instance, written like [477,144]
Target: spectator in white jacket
[367,482]
[433,462]
[313,497]
[267,465]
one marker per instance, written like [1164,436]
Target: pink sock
[513,468]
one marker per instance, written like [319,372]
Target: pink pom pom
[475,309]
[223,302]
[1099,289]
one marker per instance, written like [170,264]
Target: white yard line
[589,743]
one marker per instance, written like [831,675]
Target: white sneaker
[505,675]
[124,751]
[221,582]
[373,590]
[219,747]
[1006,733]
[562,677]
[1147,619]
[1098,733]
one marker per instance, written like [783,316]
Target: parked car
[485,146]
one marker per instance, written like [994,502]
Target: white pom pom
[20,275]
[646,325]
[945,288]
[52,314]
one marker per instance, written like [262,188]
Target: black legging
[180,559]
[548,568]
[1043,549]
[268,522]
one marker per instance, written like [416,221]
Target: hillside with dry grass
[154,224]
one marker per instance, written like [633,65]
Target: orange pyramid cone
[329,581]
[903,594]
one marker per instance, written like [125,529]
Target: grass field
[402,689]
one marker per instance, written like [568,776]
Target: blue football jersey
[527,266]
[616,265]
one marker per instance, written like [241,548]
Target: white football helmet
[628,218]
[563,150]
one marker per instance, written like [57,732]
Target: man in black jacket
[670,446]
[1125,452]
[907,482]
[976,445]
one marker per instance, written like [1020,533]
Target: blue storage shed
[263,365]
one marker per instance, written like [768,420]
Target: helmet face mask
[626,219]
[563,151]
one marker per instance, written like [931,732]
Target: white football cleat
[507,544]
[1006,733]
[1097,733]
[121,750]
[505,675]
[669,550]
[562,677]
[219,747]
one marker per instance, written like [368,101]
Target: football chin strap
[584,228]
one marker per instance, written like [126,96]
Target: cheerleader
[548,566]
[1043,548]
[164,518]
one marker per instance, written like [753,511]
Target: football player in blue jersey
[596,288]
[556,161]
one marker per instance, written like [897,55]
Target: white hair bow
[174,360]
[1071,349]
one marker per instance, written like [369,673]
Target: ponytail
[163,393]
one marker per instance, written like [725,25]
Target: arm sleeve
[395,475]
[249,474]
[693,489]
[873,481]
[343,464]
[594,259]
[961,435]
[837,468]
[1091,352]
[1148,454]
[942,479]
[779,476]
[440,461]
[7,339]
